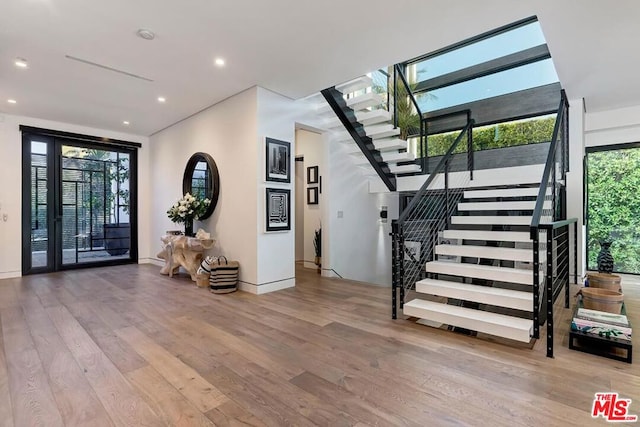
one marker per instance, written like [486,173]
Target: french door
[78,203]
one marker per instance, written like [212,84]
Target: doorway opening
[78,202]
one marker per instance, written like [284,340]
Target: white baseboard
[329,273]
[309,264]
[266,288]
[10,274]
[154,261]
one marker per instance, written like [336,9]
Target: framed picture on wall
[278,203]
[278,160]
[312,195]
[312,175]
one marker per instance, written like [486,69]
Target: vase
[188,228]
[605,259]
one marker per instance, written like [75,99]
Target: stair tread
[497,206]
[387,157]
[389,144]
[486,272]
[491,219]
[501,236]
[482,294]
[492,252]
[502,192]
[464,266]
[472,314]
[358,83]
[404,168]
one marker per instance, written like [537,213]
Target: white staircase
[485,281]
[377,123]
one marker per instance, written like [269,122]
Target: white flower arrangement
[188,209]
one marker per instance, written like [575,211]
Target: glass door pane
[613,207]
[95,205]
[39,205]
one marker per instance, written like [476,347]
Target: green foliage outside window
[496,136]
[613,180]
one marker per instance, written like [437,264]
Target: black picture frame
[312,195]
[312,175]
[278,209]
[277,160]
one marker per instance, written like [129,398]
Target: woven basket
[202,280]
[602,300]
[605,281]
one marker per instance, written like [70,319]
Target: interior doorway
[309,199]
[612,178]
[78,203]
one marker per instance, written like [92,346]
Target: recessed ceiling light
[21,63]
[12,101]
[162,99]
[146,34]
[219,62]
[125,122]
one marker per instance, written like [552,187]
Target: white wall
[612,127]
[359,244]
[233,133]
[310,145]
[575,189]
[227,131]
[11,189]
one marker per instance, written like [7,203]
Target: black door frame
[54,140]
[585,183]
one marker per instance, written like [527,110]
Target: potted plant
[317,246]
[186,210]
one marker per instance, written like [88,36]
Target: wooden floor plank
[76,400]
[189,383]
[173,407]
[31,397]
[122,403]
[147,348]
[6,408]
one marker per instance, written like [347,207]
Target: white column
[575,188]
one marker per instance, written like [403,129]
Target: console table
[182,251]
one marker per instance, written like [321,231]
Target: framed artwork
[312,195]
[278,203]
[312,175]
[278,160]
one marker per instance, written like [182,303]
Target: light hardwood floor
[126,346]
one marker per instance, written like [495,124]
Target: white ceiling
[293,47]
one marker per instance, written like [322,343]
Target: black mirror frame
[214,179]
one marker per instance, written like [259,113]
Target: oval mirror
[201,179]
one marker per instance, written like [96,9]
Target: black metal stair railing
[553,236]
[416,231]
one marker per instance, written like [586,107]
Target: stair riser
[472,324]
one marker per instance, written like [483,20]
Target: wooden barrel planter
[605,281]
[602,299]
